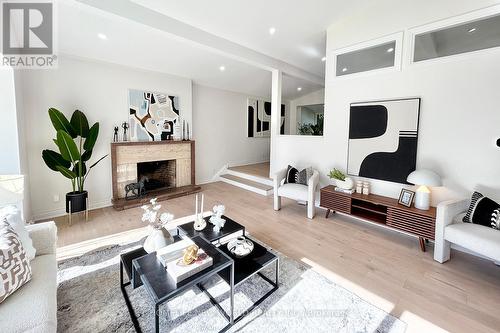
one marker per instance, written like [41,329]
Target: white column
[275,116]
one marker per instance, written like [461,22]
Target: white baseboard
[49,214]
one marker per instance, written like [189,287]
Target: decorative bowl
[240,247]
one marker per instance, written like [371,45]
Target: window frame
[451,22]
[398,53]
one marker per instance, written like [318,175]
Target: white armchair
[297,192]
[450,229]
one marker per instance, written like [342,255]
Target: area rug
[90,300]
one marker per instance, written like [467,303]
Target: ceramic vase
[346,184]
[157,239]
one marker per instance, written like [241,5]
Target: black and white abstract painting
[383,139]
[259,118]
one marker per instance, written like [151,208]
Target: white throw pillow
[13,217]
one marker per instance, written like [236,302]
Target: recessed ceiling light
[323,59]
[222,68]
[390,50]
[272,30]
[299,88]
[102,36]
[344,69]
[471,30]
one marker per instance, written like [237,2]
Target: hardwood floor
[259,169]
[384,267]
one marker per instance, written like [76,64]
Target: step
[262,189]
[254,178]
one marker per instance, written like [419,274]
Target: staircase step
[257,179]
[247,184]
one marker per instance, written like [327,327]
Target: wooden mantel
[126,155]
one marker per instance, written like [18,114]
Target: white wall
[9,153]
[101,91]
[220,131]
[459,118]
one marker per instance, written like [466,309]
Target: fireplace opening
[157,175]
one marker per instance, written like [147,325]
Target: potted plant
[75,142]
[341,180]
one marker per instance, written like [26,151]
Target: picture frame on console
[406,197]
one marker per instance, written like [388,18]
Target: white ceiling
[300,37]
[137,45]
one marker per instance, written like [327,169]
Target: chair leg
[311,210]
[442,250]
[277,202]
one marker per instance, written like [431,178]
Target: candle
[202,199]
[196,207]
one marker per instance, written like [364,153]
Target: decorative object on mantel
[341,180]
[423,178]
[240,246]
[199,221]
[184,130]
[375,128]
[158,236]
[125,127]
[137,189]
[406,197]
[152,115]
[115,134]
[217,219]
[72,158]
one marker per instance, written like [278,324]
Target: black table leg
[157,318]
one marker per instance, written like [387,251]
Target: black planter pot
[78,201]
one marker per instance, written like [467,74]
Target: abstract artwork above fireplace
[152,115]
[383,139]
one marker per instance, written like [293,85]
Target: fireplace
[169,165]
[157,175]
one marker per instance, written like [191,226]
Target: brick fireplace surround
[126,155]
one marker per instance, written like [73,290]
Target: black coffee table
[245,268]
[231,229]
[146,270]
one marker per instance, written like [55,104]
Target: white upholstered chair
[450,229]
[297,192]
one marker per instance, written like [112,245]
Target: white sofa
[297,192]
[33,308]
[450,229]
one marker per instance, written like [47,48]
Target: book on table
[171,257]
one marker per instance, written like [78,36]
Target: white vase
[157,239]
[346,184]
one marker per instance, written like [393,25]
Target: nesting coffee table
[145,270]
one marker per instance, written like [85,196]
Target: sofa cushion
[293,191]
[483,211]
[33,308]
[13,216]
[15,269]
[477,238]
[294,176]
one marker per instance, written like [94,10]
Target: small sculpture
[199,221]
[125,126]
[115,134]
[217,219]
[190,254]
[138,189]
